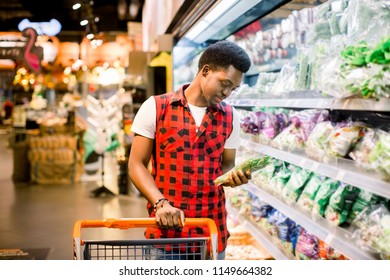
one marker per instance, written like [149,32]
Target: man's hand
[169,217]
[238,178]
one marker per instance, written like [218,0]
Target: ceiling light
[76,6]
[84,22]
[90,36]
[134,8]
[96,42]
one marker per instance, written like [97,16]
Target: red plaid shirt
[185,163]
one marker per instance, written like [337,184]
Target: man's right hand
[169,217]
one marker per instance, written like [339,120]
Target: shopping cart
[144,249]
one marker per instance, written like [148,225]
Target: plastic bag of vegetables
[247,165]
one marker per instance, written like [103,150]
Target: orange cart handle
[137,223]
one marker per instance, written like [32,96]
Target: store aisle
[41,217]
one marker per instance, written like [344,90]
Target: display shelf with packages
[242,245]
[341,169]
[358,104]
[267,241]
[338,237]
[338,69]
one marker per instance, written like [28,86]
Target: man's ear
[205,70]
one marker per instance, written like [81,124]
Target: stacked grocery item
[55,159]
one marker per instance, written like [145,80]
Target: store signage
[22,48]
[50,28]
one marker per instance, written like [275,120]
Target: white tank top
[145,122]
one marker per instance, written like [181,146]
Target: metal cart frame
[145,249]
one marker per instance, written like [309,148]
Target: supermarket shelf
[383,104]
[267,241]
[356,104]
[333,235]
[325,103]
[342,170]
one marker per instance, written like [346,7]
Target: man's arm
[141,151]
[228,162]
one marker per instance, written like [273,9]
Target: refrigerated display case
[278,46]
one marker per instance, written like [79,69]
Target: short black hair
[223,54]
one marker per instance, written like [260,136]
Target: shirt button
[192,171]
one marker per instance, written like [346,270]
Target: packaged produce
[289,139]
[306,200]
[237,197]
[306,120]
[365,69]
[280,178]
[372,152]
[285,230]
[263,126]
[247,165]
[263,176]
[253,122]
[295,184]
[363,200]
[344,138]
[328,187]
[367,20]
[295,135]
[318,140]
[380,156]
[340,203]
[363,149]
[307,246]
[327,252]
[372,230]
[259,208]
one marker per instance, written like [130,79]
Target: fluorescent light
[220,16]
[220,9]
[196,30]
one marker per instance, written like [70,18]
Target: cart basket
[144,249]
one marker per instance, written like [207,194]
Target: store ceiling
[12,12]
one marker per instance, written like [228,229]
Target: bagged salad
[372,230]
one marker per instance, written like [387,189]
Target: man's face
[218,84]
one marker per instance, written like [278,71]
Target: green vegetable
[250,164]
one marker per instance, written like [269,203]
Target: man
[191,136]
